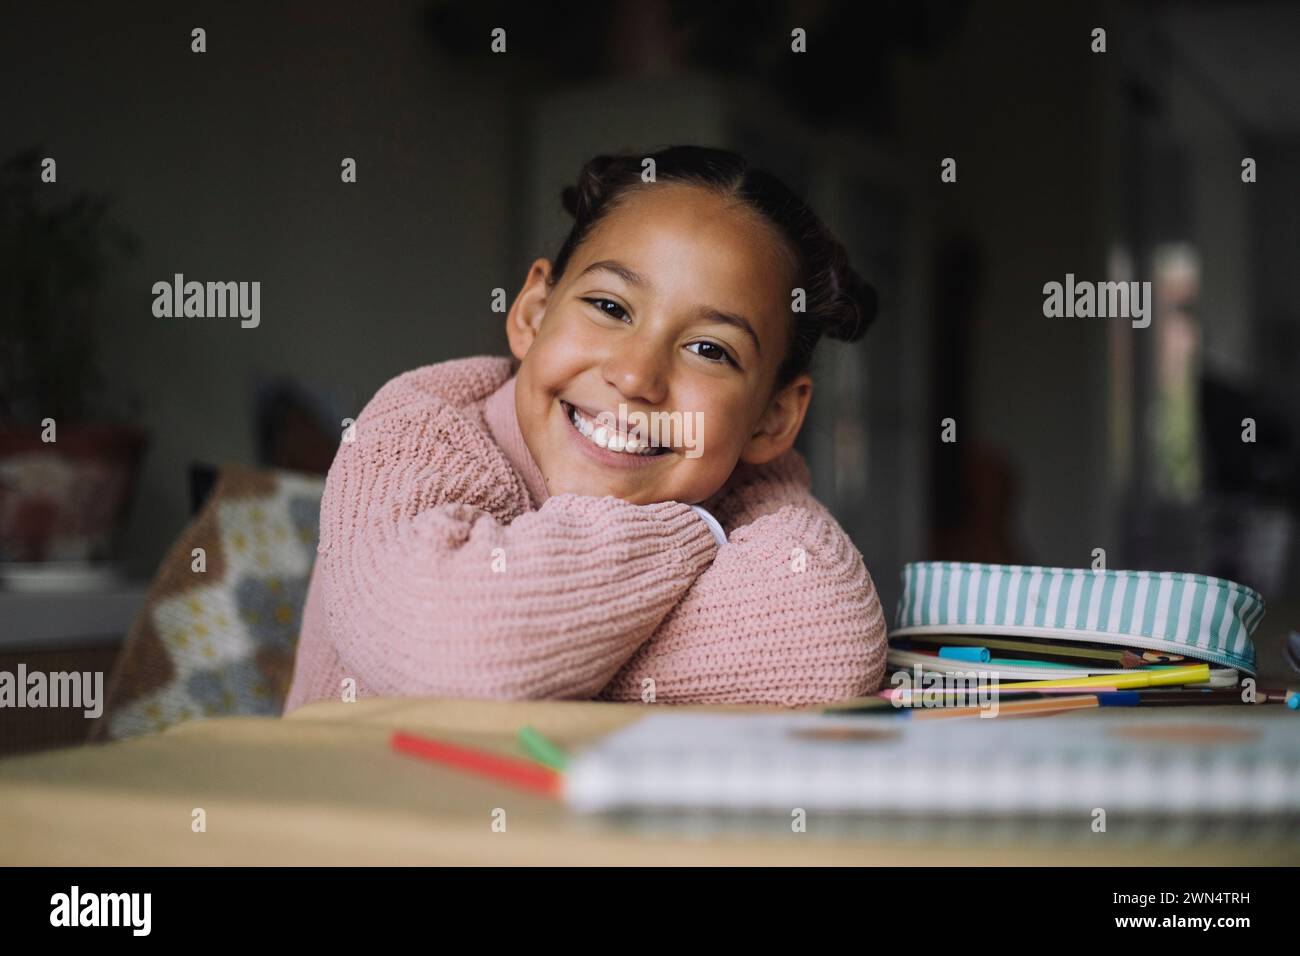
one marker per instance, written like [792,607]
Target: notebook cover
[1135,764]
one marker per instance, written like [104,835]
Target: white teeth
[608,438]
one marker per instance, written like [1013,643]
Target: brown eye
[609,307]
[711,351]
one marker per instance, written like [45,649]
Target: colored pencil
[1154,677]
[882,699]
[1160,697]
[1195,702]
[1110,697]
[542,750]
[878,707]
[906,696]
[1019,708]
[519,773]
[1046,649]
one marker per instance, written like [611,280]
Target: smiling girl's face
[677,301]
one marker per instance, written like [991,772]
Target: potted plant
[68,457]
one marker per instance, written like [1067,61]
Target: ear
[780,424]
[526,312]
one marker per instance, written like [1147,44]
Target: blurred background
[1073,434]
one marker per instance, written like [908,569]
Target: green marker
[541,749]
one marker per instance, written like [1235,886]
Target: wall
[227,167]
[1024,122]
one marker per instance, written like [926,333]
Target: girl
[523,531]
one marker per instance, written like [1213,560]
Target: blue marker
[1118,698]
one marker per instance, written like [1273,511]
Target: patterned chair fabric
[218,630]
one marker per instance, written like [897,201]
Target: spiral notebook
[1135,764]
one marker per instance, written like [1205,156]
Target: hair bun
[569,199]
[582,199]
[856,304]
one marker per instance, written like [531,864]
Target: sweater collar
[503,423]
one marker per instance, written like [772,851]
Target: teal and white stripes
[1204,617]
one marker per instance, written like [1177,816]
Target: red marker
[519,773]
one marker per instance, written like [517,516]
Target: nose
[638,368]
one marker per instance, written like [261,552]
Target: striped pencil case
[1206,618]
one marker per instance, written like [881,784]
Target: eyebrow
[620,270]
[739,321]
[708,313]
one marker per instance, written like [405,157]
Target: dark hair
[838,304]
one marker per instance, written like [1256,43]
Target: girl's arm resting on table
[786,614]
[452,602]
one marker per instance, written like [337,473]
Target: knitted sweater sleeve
[430,589]
[786,614]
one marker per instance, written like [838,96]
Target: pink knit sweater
[444,568]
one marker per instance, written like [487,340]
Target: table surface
[321,786]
